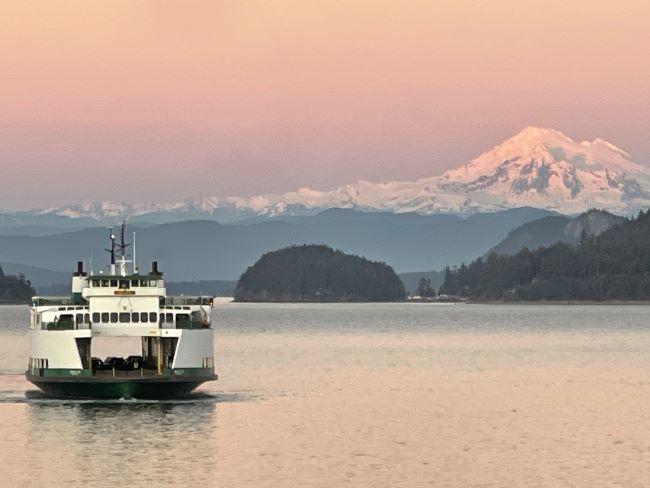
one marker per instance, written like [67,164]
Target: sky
[148,101]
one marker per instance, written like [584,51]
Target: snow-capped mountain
[538,167]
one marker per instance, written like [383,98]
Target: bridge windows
[113,317]
[153,317]
[122,283]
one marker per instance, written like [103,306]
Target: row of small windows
[135,317]
[122,284]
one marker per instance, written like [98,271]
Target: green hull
[112,388]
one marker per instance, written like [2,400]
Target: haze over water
[361,395]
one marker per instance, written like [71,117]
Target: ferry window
[87,318]
[144,283]
[124,284]
[125,317]
[96,317]
[169,317]
[113,283]
[105,317]
[104,283]
[153,316]
[153,283]
[144,317]
[65,318]
[135,317]
[80,318]
[183,319]
[134,283]
[113,317]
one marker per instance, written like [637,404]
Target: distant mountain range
[547,231]
[207,250]
[538,167]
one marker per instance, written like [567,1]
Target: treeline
[612,266]
[317,273]
[15,289]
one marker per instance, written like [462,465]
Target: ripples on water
[361,395]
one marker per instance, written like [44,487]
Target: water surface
[376,395]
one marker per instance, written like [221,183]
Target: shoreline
[558,302]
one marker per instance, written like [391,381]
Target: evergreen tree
[424,288]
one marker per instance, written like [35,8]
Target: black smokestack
[154,268]
[80,269]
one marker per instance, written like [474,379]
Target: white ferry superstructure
[177,353]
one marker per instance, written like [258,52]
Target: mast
[123,245]
[111,251]
[135,262]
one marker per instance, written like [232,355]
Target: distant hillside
[549,230]
[612,265]
[39,277]
[317,273]
[412,280]
[207,250]
[15,289]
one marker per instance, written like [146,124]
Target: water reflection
[138,441]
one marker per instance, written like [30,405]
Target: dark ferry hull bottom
[116,388]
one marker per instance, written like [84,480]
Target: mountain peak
[537,167]
[541,135]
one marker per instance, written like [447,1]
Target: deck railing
[65,325]
[38,301]
[176,301]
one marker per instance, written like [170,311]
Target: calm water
[361,395]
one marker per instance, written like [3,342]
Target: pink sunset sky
[159,100]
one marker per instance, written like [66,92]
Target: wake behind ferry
[177,337]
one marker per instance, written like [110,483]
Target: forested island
[15,289]
[317,273]
[615,265]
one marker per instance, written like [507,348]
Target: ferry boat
[175,332]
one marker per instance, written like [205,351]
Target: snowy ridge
[537,167]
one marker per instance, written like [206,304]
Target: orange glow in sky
[240,97]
